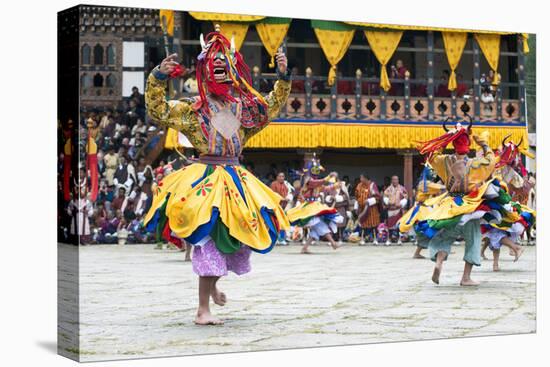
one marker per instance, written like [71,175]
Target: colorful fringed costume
[511,171]
[319,218]
[216,204]
[471,194]
[427,195]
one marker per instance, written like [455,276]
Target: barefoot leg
[305,248]
[484,245]
[188,249]
[496,255]
[515,250]
[439,258]
[417,254]
[466,276]
[332,242]
[204,317]
[218,297]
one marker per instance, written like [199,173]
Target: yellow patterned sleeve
[437,161]
[175,114]
[276,99]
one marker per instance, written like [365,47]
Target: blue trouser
[471,232]
[422,241]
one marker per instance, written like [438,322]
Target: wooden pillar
[430,75]
[407,91]
[521,79]
[333,100]
[309,91]
[358,92]
[408,178]
[477,84]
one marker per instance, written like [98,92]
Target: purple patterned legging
[208,261]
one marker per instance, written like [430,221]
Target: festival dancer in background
[471,195]
[337,196]
[427,193]
[509,169]
[320,219]
[217,205]
[368,200]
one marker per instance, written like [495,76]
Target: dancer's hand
[282,61]
[168,65]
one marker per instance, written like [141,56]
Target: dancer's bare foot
[484,257]
[468,283]
[518,254]
[496,268]
[206,318]
[418,256]
[335,246]
[305,251]
[218,297]
[436,273]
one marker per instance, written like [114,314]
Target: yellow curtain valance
[422,28]
[272,36]
[237,30]
[334,44]
[336,135]
[454,46]
[169,16]
[383,45]
[490,47]
[222,17]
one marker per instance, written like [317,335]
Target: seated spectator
[461,87]
[344,86]
[443,88]
[298,86]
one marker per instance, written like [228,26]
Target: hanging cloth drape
[169,16]
[454,46]
[237,30]
[334,38]
[272,32]
[383,45]
[91,160]
[490,46]
[525,42]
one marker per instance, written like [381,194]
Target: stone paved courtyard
[136,301]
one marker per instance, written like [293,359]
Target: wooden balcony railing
[407,101]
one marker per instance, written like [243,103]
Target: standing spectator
[80,210]
[368,200]
[395,199]
[280,187]
[111,163]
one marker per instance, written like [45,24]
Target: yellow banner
[454,46]
[334,45]
[237,30]
[490,46]
[525,38]
[383,45]
[347,135]
[169,16]
[272,36]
